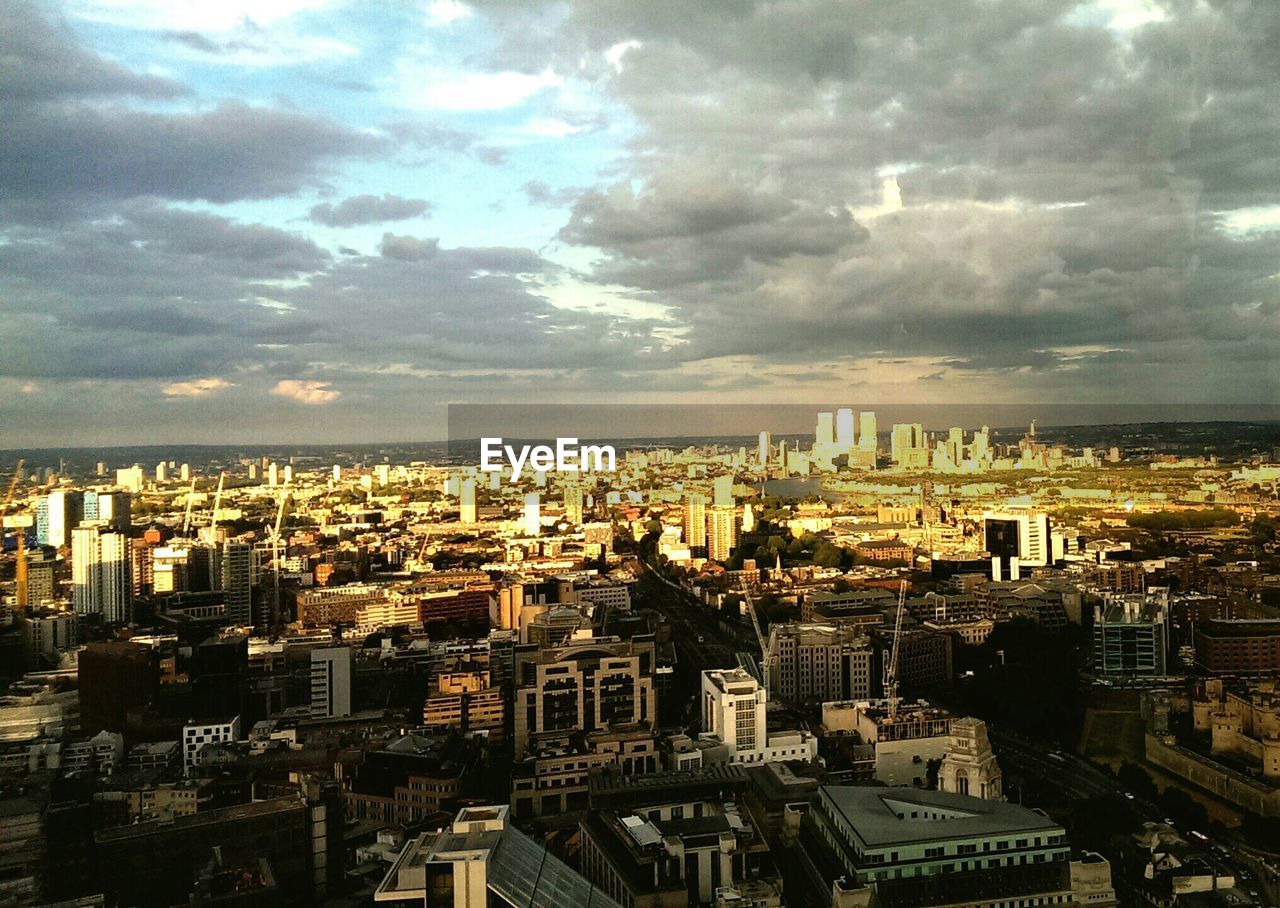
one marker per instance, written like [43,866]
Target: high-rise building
[130,478]
[845,439]
[531,520]
[733,709]
[1016,538]
[762,452]
[56,515]
[237,581]
[867,430]
[824,432]
[116,508]
[100,572]
[723,491]
[1131,634]
[467,501]
[955,444]
[695,520]
[337,473]
[273,475]
[185,472]
[162,471]
[115,677]
[722,532]
[907,445]
[288,474]
[331,682]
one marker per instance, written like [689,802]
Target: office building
[723,491]
[1131,635]
[845,436]
[57,514]
[733,710]
[867,439]
[113,678]
[1238,646]
[1017,539]
[101,575]
[907,447]
[764,448]
[824,435]
[196,735]
[915,848]
[130,478]
[585,685]
[46,634]
[113,507]
[330,682]
[814,663]
[481,860]
[573,498]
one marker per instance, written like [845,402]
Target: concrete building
[722,532]
[237,582]
[1131,635]
[734,707]
[813,663]
[330,682]
[101,575]
[1238,646]
[197,734]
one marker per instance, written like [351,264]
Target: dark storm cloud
[369,209]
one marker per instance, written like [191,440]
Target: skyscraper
[695,521]
[56,515]
[467,501]
[762,454]
[573,505]
[867,430]
[237,585]
[100,572]
[906,445]
[844,429]
[116,508]
[723,488]
[824,434]
[722,532]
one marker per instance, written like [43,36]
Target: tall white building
[844,429]
[330,682]
[531,521]
[762,453]
[734,709]
[573,505]
[130,478]
[723,488]
[867,430]
[162,471]
[273,475]
[695,520]
[722,532]
[824,433]
[101,579]
[56,515]
[467,501]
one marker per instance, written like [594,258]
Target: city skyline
[290,223]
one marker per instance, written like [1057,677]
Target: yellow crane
[19,522]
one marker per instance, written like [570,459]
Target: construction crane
[19,522]
[275,555]
[766,656]
[891,674]
[186,518]
[217,503]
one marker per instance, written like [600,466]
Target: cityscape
[875,665]
[639,454]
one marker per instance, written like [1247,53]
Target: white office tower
[981,444]
[116,508]
[695,521]
[162,472]
[101,580]
[955,444]
[748,518]
[382,473]
[330,682]
[762,453]
[288,474]
[57,514]
[906,442]
[723,487]
[824,432]
[273,475]
[185,472]
[253,471]
[733,709]
[867,430]
[237,582]
[531,522]
[337,473]
[573,505]
[844,429]
[783,466]
[467,501]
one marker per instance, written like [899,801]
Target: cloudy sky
[297,220]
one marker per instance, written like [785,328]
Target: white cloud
[446,12]
[191,15]
[198,387]
[551,128]
[426,86]
[613,56]
[306,392]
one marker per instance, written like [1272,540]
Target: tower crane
[275,554]
[217,503]
[891,674]
[19,522]
[766,655]
[186,518]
